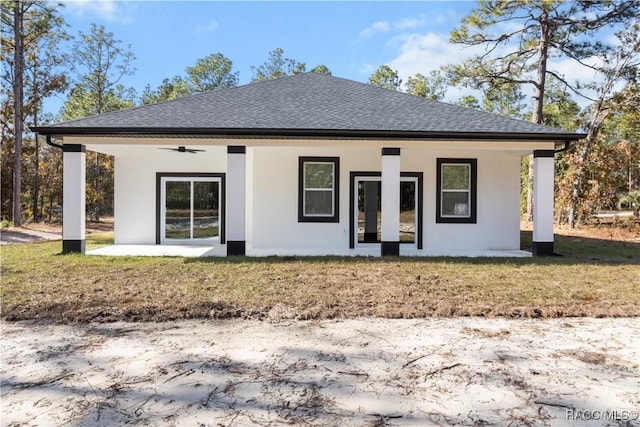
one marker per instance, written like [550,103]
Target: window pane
[369,214]
[455,177]
[318,175]
[318,202]
[455,203]
[178,219]
[205,210]
[407,212]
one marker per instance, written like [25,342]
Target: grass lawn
[599,275]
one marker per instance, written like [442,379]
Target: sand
[361,372]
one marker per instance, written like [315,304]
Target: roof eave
[58,131]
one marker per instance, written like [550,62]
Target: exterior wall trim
[391,151]
[473,218]
[543,249]
[74,148]
[543,153]
[336,194]
[236,149]
[73,246]
[236,248]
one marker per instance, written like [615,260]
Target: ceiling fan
[183,149]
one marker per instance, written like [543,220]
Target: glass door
[190,210]
[368,214]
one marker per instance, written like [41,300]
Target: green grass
[595,277]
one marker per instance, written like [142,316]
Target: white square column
[543,175]
[390,244]
[73,198]
[236,200]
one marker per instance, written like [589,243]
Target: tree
[469,101]
[19,11]
[432,86]
[99,64]
[31,31]
[321,69]
[212,72]
[506,100]
[521,36]
[630,200]
[621,64]
[385,77]
[168,90]
[277,66]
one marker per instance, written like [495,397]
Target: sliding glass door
[190,210]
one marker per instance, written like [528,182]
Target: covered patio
[207,251]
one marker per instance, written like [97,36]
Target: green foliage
[99,63]
[506,100]
[43,75]
[385,77]
[630,201]
[277,66]
[519,36]
[209,73]
[82,102]
[169,89]
[212,72]
[560,110]
[321,69]
[469,101]
[432,86]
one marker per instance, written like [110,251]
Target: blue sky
[351,38]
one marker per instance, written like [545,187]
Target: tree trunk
[538,98]
[36,159]
[577,184]
[592,132]
[18,95]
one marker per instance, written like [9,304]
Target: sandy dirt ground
[361,372]
[35,232]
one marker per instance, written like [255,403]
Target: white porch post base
[390,244]
[236,206]
[73,198]
[543,173]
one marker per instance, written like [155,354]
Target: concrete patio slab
[156,250]
[205,251]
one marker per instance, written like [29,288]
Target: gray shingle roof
[308,104]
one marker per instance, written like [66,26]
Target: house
[313,165]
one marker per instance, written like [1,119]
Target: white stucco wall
[135,186]
[274,202]
[272,226]
[498,203]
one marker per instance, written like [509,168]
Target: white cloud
[410,23]
[110,10]
[421,53]
[376,27]
[212,25]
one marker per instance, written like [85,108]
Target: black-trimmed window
[318,189]
[456,191]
